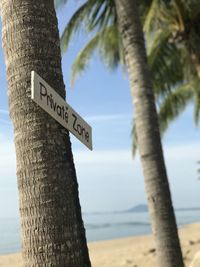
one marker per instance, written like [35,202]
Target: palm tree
[52,228]
[173,54]
[119,37]
[149,143]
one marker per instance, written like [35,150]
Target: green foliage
[74,25]
[83,57]
[174,104]
[173,38]
[164,63]
[107,44]
[99,19]
[172,32]
[178,18]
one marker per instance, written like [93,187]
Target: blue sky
[109,179]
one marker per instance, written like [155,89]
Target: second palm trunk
[157,187]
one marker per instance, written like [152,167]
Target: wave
[109,225]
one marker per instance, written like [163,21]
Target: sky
[109,178]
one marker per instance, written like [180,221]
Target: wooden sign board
[47,98]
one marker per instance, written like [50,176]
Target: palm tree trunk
[149,142]
[53,233]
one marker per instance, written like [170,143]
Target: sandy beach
[131,252]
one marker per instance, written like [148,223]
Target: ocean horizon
[99,226]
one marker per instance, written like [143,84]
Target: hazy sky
[109,178]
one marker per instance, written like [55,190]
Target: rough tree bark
[156,182]
[53,233]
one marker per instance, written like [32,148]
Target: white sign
[47,98]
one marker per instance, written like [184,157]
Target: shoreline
[136,251]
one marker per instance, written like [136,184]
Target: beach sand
[131,252]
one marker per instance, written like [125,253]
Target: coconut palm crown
[172,39]
[172,29]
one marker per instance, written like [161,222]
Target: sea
[99,226]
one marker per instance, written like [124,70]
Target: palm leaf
[111,48]
[158,15]
[179,9]
[102,15]
[97,15]
[169,110]
[174,104]
[164,63]
[83,57]
[75,23]
[150,16]
[108,43]
[194,9]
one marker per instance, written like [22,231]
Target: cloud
[113,173]
[103,156]
[172,153]
[116,176]
[188,151]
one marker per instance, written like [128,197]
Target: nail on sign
[47,98]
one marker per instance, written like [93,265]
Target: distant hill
[138,208]
[144,208]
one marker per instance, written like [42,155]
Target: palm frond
[97,15]
[158,15]
[174,104]
[75,23]
[179,9]
[111,49]
[92,15]
[102,15]
[144,7]
[150,16]
[190,66]
[164,63]
[109,46]
[194,9]
[83,57]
